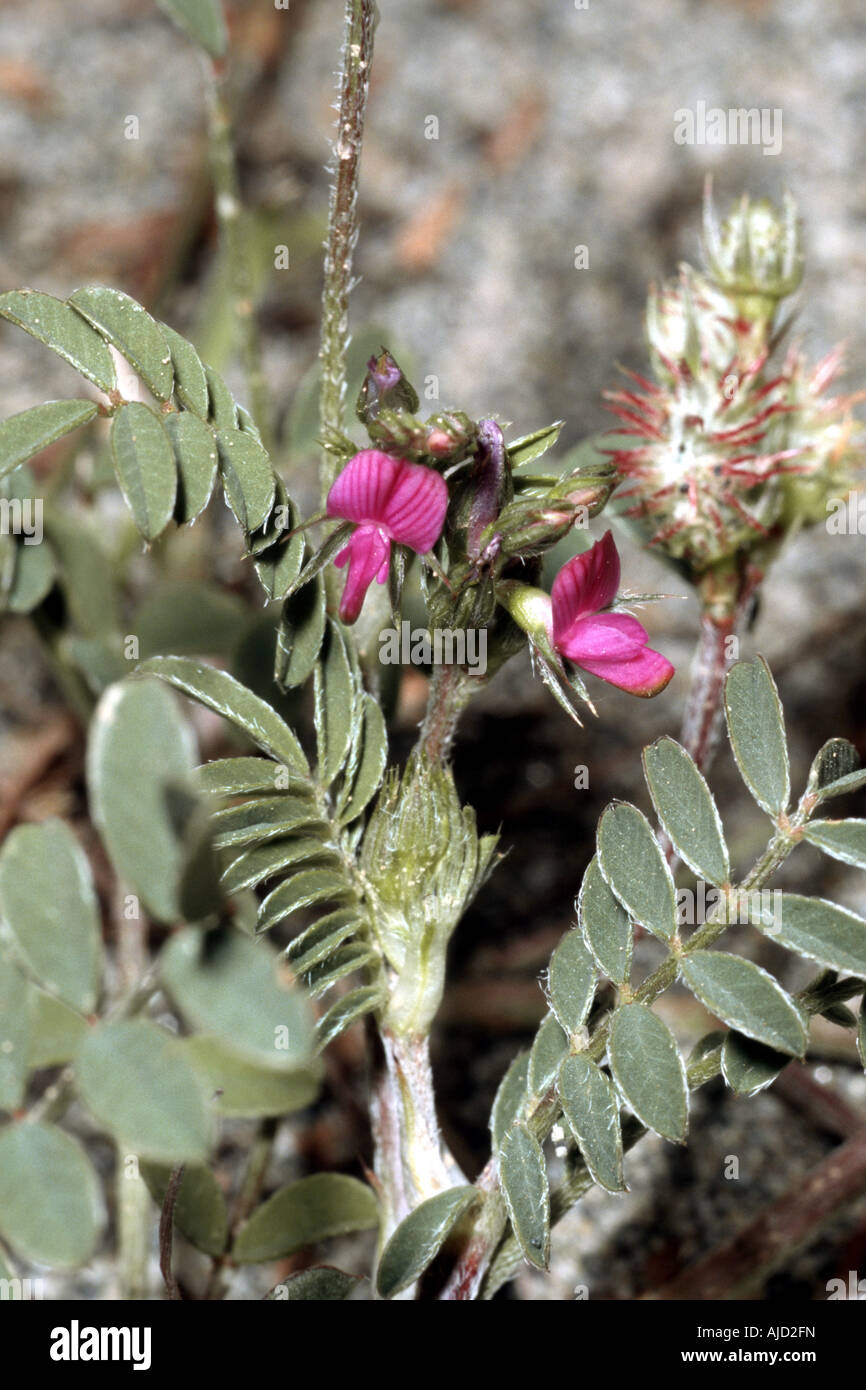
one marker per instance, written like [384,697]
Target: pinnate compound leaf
[605,924]
[591,1109]
[60,328]
[686,809]
[841,839]
[747,998]
[137,1082]
[130,329]
[305,1213]
[49,904]
[419,1238]
[523,1179]
[636,870]
[756,728]
[50,1201]
[220,692]
[145,467]
[26,434]
[648,1070]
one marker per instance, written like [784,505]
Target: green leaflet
[50,1200]
[248,478]
[523,1179]
[749,1066]
[571,982]
[300,634]
[135,1078]
[510,1099]
[318,941]
[196,458]
[687,810]
[265,861]
[746,998]
[241,1088]
[842,839]
[334,705]
[371,765]
[591,1108]
[322,1284]
[548,1048]
[130,329]
[16,1028]
[60,328]
[347,1011]
[756,729]
[145,467]
[50,907]
[820,930]
[305,889]
[226,696]
[265,818]
[190,382]
[636,870]
[305,1213]
[648,1070]
[31,431]
[200,1207]
[605,924]
[419,1238]
[532,446]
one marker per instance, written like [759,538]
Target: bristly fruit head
[725,452]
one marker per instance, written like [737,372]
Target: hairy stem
[343,221]
[450,692]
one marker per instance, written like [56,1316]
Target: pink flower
[612,646]
[391,500]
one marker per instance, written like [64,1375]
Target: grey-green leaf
[320,940]
[48,902]
[636,870]
[35,573]
[132,331]
[648,1070]
[371,766]
[591,1108]
[686,809]
[571,982]
[749,1066]
[16,1027]
[532,446]
[145,467]
[746,998]
[26,434]
[200,1207]
[139,747]
[226,696]
[242,1088]
[548,1048]
[605,924]
[50,1203]
[190,382]
[56,1033]
[202,20]
[322,1284]
[262,862]
[818,929]
[347,1011]
[300,633]
[227,984]
[136,1080]
[523,1178]
[418,1239]
[248,478]
[60,328]
[335,705]
[756,728]
[842,839]
[305,1213]
[195,456]
[510,1099]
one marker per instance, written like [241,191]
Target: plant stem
[450,692]
[343,221]
[236,248]
[722,621]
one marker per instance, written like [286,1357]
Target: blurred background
[502,135]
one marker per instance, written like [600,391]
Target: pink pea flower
[391,500]
[612,646]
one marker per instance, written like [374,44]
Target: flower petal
[604,637]
[646,674]
[368,554]
[585,585]
[407,500]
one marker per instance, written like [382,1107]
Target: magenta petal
[407,500]
[646,674]
[368,553]
[415,510]
[604,637]
[585,585]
